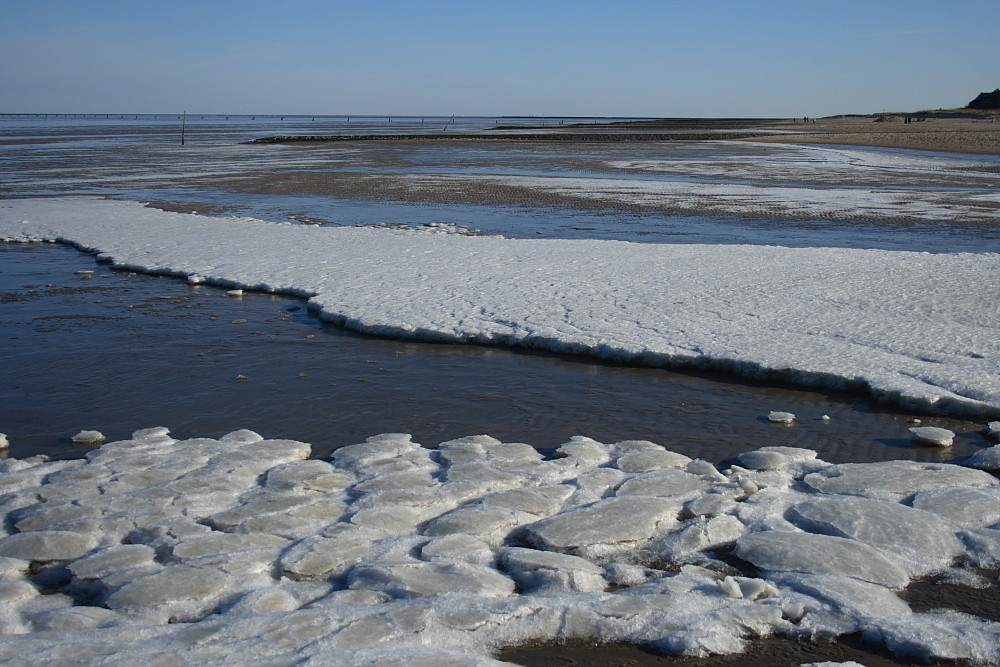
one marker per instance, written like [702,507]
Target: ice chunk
[747,485]
[699,535]
[705,469]
[154,434]
[458,547]
[613,521]
[388,520]
[74,618]
[264,601]
[111,560]
[465,450]
[776,458]
[411,479]
[651,459]
[13,568]
[88,438]
[992,431]
[513,451]
[983,546]
[540,500]
[966,507]
[585,449]
[781,551]
[759,460]
[318,556]
[985,459]
[255,507]
[856,600]
[711,504]
[243,435]
[731,588]
[597,483]
[488,523]
[668,483]
[755,589]
[45,515]
[13,592]
[481,477]
[548,573]
[932,435]
[778,417]
[628,574]
[309,475]
[189,590]
[894,480]
[430,579]
[909,534]
[376,448]
[47,545]
[215,543]
[944,635]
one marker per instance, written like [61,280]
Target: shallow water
[117,351]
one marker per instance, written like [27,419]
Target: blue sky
[492,57]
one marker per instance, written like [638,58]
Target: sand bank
[957,135]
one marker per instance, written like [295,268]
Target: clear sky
[491,57]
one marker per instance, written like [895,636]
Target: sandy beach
[925,132]
[957,131]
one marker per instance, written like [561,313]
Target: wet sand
[923,596]
[770,652]
[956,132]
[929,133]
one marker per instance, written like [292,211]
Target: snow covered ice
[244,549]
[911,328]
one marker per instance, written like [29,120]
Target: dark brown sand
[922,596]
[956,135]
[771,652]
[957,132]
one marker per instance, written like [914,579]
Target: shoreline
[954,133]
[979,136]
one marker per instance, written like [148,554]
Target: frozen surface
[243,549]
[908,327]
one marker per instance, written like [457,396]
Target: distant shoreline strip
[551,136]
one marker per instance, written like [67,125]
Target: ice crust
[912,328]
[245,550]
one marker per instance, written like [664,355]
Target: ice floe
[908,327]
[88,437]
[778,417]
[932,435]
[244,549]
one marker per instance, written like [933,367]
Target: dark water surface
[117,351]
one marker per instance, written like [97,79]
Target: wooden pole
[183,126]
